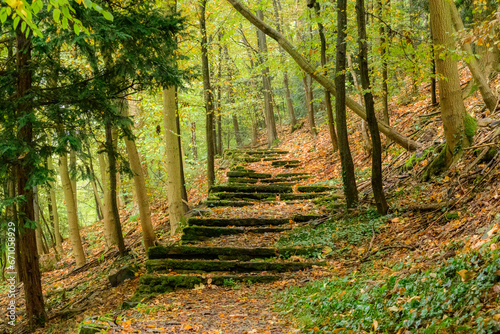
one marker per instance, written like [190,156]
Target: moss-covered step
[286,175]
[280,163]
[163,265]
[227,253]
[279,181]
[267,196]
[196,221]
[246,174]
[314,189]
[167,283]
[291,166]
[221,203]
[198,233]
[268,152]
[252,188]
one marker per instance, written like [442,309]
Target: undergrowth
[341,235]
[459,295]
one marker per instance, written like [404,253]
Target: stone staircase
[195,261]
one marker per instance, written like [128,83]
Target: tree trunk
[286,85]
[72,173]
[38,233]
[115,217]
[328,102]
[383,49]
[193,141]
[307,80]
[377,183]
[482,82]
[348,176]
[181,155]
[209,105]
[401,140]
[367,142]
[74,229]
[434,101]
[110,236]
[237,133]
[148,235]
[55,213]
[272,134]
[459,127]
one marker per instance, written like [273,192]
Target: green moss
[313,188]
[437,165]
[470,124]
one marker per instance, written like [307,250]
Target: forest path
[223,274]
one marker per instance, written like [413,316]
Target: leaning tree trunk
[398,138]
[459,127]
[148,235]
[377,183]
[489,98]
[74,230]
[348,176]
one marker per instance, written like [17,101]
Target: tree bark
[110,236]
[193,141]
[377,183]
[55,213]
[72,173]
[482,82]
[459,127]
[148,235]
[181,155]
[286,85]
[272,134]
[38,233]
[110,150]
[74,229]
[401,140]
[209,103]
[383,51]
[328,102]
[348,176]
[307,80]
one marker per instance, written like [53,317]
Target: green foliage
[470,124]
[449,298]
[344,233]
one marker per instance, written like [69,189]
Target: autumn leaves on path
[233,241]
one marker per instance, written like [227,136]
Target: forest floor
[429,225]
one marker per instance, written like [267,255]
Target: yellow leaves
[466,275]
[375,324]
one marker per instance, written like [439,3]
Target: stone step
[257,159]
[291,166]
[227,253]
[247,174]
[293,175]
[314,189]
[279,181]
[197,221]
[199,233]
[267,152]
[251,188]
[267,196]
[212,203]
[155,283]
[164,265]
[283,163]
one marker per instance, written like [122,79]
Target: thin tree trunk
[377,183]
[55,213]
[181,155]
[401,140]
[348,176]
[309,103]
[110,150]
[148,235]
[272,134]
[328,102]
[286,85]
[110,236]
[193,141]
[489,98]
[74,230]
[367,142]
[38,233]
[383,49]
[208,97]
[72,173]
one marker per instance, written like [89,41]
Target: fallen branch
[386,248]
